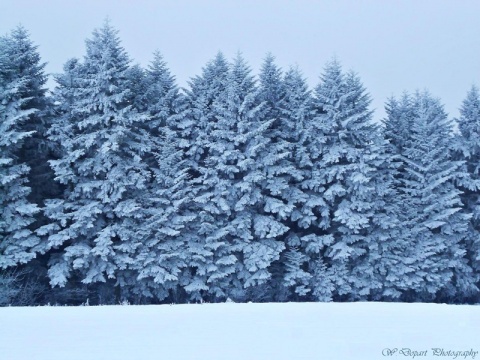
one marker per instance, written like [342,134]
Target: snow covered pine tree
[93,230]
[163,258]
[467,148]
[345,157]
[432,264]
[17,212]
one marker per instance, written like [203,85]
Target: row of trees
[120,186]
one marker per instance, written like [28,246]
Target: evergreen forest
[119,186]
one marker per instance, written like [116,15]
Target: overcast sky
[394,45]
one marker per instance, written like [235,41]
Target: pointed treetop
[159,71]
[240,74]
[158,64]
[294,79]
[21,47]
[105,46]
[294,71]
[469,122]
[269,68]
[332,84]
[20,61]
[428,105]
[356,91]
[399,119]
[20,32]
[272,87]
[213,77]
[470,109]
[239,64]
[219,64]
[333,69]
[270,73]
[269,58]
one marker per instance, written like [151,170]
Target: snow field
[232,331]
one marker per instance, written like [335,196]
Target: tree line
[119,186]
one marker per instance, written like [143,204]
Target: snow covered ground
[324,331]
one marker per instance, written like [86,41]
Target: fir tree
[431,251]
[137,84]
[93,230]
[205,90]
[387,255]
[277,164]
[285,174]
[162,259]
[26,64]
[237,241]
[467,148]
[258,227]
[344,177]
[17,212]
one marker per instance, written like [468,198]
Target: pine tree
[241,240]
[346,147]
[166,104]
[205,90]
[17,212]
[387,255]
[137,84]
[162,259]
[277,165]
[257,216]
[25,64]
[467,148]
[290,111]
[272,91]
[94,228]
[431,253]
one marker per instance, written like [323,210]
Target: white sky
[394,45]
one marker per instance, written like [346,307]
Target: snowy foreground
[241,331]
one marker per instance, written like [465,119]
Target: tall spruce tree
[205,90]
[257,216]
[431,259]
[93,230]
[344,176]
[137,85]
[26,64]
[389,261]
[467,148]
[240,239]
[17,109]
[277,168]
[162,259]
[296,114]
